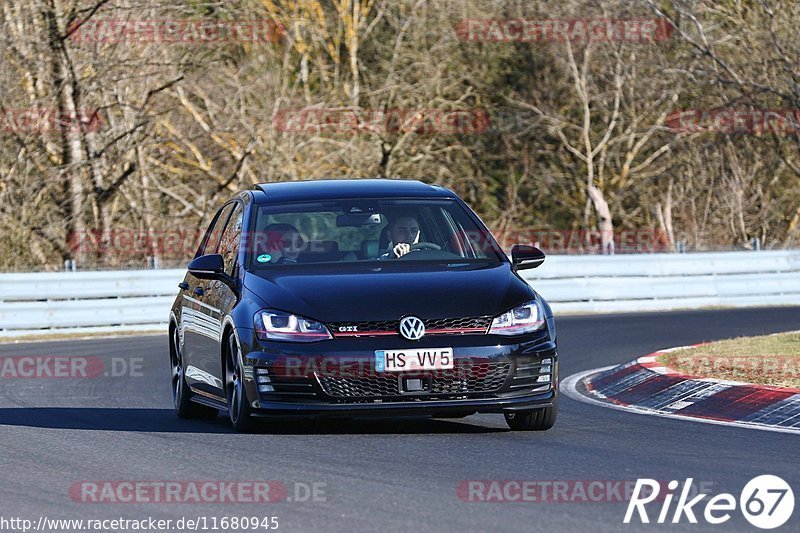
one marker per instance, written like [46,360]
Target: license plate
[411,360]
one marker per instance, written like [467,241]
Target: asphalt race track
[398,475]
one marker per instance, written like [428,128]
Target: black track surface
[398,475]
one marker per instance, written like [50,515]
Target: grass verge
[766,360]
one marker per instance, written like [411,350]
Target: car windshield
[361,231]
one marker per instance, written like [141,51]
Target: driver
[403,233]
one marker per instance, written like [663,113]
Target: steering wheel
[424,246]
[420,246]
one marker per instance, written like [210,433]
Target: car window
[322,226]
[211,238]
[352,231]
[229,243]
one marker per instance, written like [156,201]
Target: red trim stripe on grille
[428,332]
[361,333]
[456,330]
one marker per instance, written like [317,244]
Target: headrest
[370,249]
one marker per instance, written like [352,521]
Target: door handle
[183,285]
[199,291]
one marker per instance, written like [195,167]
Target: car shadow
[108,419]
[370,426]
[165,421]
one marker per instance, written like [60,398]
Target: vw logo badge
[412,328]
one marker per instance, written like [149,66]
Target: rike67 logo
[766,502]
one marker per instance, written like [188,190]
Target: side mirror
[209,266]
[524,256]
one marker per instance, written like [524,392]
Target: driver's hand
[401,249]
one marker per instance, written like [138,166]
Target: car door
[218,300]
[200,325]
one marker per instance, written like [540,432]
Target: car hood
[387,294]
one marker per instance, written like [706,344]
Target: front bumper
[337,378]
[438,408]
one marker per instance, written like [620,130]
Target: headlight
[278,326]
[526,318]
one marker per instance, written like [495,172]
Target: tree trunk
[604,222]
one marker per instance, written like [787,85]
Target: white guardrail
[86,302]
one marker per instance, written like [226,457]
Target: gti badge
[412,328]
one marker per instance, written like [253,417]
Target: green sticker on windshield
[263,258]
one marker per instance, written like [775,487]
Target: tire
[533,420]
[181,395]
[239,410]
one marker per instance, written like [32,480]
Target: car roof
[334,189]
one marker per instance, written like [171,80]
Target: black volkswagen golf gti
[345,298]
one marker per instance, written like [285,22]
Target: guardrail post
[152,262]
[69,265]
[756,243]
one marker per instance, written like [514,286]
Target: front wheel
[534,420]
[239,409]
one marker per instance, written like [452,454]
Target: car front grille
[466,378]
[438,326]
